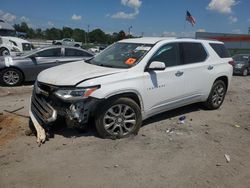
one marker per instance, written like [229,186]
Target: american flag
[190,18]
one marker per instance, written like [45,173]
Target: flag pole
[184,26]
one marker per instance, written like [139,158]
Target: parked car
[241,64]
[130,81]
[67,42]
[9,43]
[15,70]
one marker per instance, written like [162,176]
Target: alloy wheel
[119,119]
[11,77]
[245,72]
[218,95]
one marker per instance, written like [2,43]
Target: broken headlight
[75,94]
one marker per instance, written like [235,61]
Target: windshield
[121,55]
[5,32]
[241,58]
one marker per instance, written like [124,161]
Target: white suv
[130,81]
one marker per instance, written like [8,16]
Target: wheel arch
[224,79]
[4,47]
[134,95]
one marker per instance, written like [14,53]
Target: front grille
[43,112]
[26,46]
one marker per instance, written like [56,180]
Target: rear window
[74,52]
[192,52]
[220,49]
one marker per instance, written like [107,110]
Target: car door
[164,89]
[68,42]
[196,70]
[45,59]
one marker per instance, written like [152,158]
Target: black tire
[245,72]
[4,52]
[130,111]
[77,46]
[11,77]
[58,43]
[216,96]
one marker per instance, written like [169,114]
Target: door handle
[57,61]
[210,67]
[178,73]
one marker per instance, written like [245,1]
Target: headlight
[74,94]
[239,65]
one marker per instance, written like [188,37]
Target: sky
[143,17]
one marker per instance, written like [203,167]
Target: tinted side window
[220,49]
[169,54]
[75,52]
[192,52]
[54,52]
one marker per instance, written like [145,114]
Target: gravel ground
[163,154]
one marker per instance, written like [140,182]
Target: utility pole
[85,38]
[142,33]
[130,27]
[87,35]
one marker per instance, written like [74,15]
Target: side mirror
[156,65]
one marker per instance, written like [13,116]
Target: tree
[121,35]
[67,32]
[97,36]
[79,35]
[53,34]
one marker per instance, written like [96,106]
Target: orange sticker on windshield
[130,61]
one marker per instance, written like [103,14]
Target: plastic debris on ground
[171,130]
[227,158]
[182,119]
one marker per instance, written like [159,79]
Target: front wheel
[4,52]
[216,96]
[11,77]
[118,118]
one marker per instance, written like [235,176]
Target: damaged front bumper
[46,108]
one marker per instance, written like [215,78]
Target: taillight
[231,63]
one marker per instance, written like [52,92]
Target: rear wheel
[118,118]
[216,96]
[11,77]
[245,72]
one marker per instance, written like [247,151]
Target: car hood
[72,74]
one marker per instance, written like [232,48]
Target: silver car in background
[15,70]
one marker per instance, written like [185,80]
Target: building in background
[235,43]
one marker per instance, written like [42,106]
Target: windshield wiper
[105,65]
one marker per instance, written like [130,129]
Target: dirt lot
[164,154]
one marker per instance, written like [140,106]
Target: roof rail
[185,38]
[206,39]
